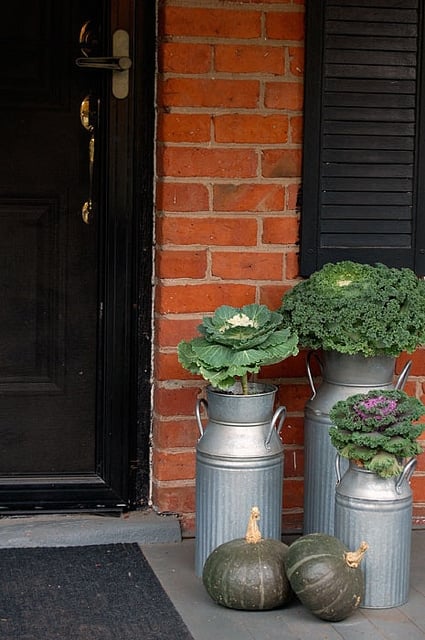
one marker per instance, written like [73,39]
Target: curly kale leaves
[377,429]
[358,308]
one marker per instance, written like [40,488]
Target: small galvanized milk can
[239,464]
[343,375]
[379,511]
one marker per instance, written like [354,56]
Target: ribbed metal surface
[225,493]
[319,475]
[343,376]
[385,523]
[239,465]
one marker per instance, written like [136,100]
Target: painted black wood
[69,372]
[362,192]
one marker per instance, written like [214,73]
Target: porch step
[143,527]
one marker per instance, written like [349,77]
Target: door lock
[119,63]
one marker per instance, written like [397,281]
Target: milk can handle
[406,474]
[199,403]
[338,468]
[403,376]
[310,355]
[280,415]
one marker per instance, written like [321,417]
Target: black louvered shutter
[363,174]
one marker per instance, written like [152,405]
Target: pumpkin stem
[253,533]
[353,558]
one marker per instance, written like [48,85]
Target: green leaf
[235,342]
[358,308]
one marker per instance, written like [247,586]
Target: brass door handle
[88,118]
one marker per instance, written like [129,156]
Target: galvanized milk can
[379,511]
[343,375]
[239,464]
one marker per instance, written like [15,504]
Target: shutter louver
[362,131]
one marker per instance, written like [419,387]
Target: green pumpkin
[248,573]
[325,576]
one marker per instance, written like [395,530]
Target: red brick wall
[229,148]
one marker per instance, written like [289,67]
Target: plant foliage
[358,308]
[377,429]
[235,342]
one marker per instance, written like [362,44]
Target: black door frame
[121,480]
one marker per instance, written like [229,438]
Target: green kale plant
[358,309]
[235,342]
[377,429]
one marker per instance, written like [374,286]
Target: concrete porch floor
[174,566]
[172,559]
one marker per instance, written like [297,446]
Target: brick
[418,487]
[208,92]
[249,59]
[179,127]
[293,462]
[292,521]
[418,519]
[202,298]
[285,26]
[169,331]
[181,264]
[280,230]
[268,1]
[296,124]
[281,163]
[420,465]
[292,432]
[293,493]
[410,387]
[223,23]
[246,265]
[251,128]
[207,231]
[167,498]
[294,396]
[174,196]
[292,367]
[208,163]
[271,295]
[418,362]
[167,367]
[296,60]
[248,197]
[176,402]
[188,525]
[176,465]
[292,266]
[293,196]
[175,433]
[174,57]
[284,95]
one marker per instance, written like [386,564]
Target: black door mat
[98,592]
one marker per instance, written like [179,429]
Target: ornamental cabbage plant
[377,429]
[358,309]
[235,342]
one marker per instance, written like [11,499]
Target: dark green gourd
[325,575]
[248,573]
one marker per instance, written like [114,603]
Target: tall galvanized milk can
[379,511]
[239,464]
[342,376]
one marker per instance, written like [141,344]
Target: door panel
[60,445]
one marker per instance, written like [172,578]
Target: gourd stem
[253,533]
[353,558]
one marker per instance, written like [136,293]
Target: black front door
[66,252]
